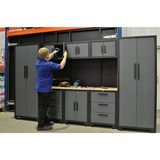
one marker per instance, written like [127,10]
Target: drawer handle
[104,115]
[103,104]
[102,93]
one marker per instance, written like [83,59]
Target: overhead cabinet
[137,86]
[103,49]
[76,50]
[76,106]
[25,80]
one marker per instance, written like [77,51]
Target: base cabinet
[76,106]
[55,107]
[103,107]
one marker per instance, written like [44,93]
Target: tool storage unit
[137,84]
[118,79]
[26,98]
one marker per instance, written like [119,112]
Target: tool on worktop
[76,83]
[64,84]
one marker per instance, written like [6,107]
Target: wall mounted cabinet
[77,50]
[104,49]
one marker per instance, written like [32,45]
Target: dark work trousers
[43,103]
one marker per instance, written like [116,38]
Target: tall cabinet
[25,79]
[137,83]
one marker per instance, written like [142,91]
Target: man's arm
[52,54]
[63,62]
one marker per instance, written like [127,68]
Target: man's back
[45,75]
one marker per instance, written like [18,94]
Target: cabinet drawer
[54,110]
[55,115]
[103,97]
[56,94]
[55,103]
[103,118]
[102,107]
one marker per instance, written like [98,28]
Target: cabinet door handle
[76,50]
[103,104]
[25,71]
[102,49]
[138,70]
[101,93]
[104,115]
[135,71]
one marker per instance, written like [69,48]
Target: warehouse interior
[13,41]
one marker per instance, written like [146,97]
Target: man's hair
[42,52]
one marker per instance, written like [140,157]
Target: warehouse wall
[141,31]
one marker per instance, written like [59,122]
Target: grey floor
[8,124]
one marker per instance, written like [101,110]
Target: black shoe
[44,128]
[49,123]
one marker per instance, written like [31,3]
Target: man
[44,84]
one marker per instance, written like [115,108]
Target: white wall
[141,31]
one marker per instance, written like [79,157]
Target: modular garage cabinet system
[117,78]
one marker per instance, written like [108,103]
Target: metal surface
[145,82]
[127,92]
[20,81]
[32,96]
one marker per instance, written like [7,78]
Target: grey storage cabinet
[137,83]
[55,107]
[104,49]
[76,106]
[26,98]
[77,50]
[103,107]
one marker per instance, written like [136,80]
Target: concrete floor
[8,124]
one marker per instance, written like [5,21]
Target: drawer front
[54,110]
[103,97]
[102,107]
[103,118]
[55,115]
[56,98]
[56,94]
[55,103]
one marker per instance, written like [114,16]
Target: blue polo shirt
[45,74]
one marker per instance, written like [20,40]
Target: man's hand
[65,53]
[52,54]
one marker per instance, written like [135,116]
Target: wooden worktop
[86,88]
